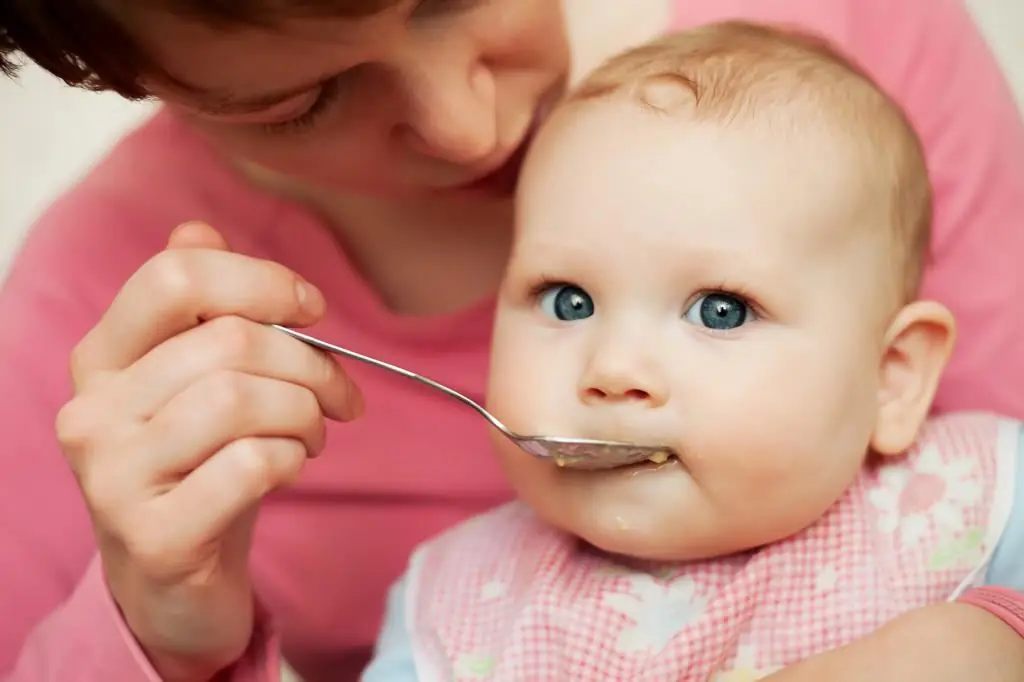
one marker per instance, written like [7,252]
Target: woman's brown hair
[85,44]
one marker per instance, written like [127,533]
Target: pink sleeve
[86,640]
[1005,604]
[59,622]
[931,57]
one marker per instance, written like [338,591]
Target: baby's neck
[654,568]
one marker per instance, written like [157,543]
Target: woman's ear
[917,347]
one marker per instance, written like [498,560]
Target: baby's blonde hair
[735,71]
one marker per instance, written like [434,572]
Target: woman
[361,153]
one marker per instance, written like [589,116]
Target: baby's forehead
[609,160]
[673,198]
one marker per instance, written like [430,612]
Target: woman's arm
[941,643]
[59,621]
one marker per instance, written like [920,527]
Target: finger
[228,484]
[239,345]
[179,288]
[219,409]
[193,234]
[91,441]
[196,235]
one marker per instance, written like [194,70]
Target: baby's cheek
[763,490]
[529,390]
[800,493]
[514,396]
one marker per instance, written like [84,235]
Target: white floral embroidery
[659,611]
[474,666]
[951,486]
[744,667]
[493,589]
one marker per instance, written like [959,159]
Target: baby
[719,245]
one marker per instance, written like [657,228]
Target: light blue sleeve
[1007,566]
[392,658]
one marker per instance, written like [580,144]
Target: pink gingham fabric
[506,598]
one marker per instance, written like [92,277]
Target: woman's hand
[187,411]
[939,643]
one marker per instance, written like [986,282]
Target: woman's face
[427,98]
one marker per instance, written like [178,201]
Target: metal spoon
[577,453]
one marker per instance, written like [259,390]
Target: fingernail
[183,229]
[306,296]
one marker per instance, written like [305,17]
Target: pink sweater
[327,549]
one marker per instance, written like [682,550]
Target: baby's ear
[917,347]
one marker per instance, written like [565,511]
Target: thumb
[196,235]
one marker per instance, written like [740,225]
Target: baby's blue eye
[566,302]
[719,311]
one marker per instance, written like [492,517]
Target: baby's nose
[608,382]
[598,393]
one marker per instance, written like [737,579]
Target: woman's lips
[502,181]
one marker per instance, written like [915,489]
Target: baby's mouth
[604,453]
[666,462]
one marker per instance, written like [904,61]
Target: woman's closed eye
[425,9]
[330,92]
[335,88]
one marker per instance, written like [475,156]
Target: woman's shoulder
[122,211]
[909,47]
[157,176]
[883,35]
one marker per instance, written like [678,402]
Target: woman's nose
[452,114]
[623,374]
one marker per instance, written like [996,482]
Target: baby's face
[711,288]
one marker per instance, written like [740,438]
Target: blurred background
[51,134]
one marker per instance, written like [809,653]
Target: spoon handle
[380,364]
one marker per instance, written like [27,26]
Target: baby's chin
[655,513]
[651,538]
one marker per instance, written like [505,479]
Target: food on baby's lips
[659,457]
